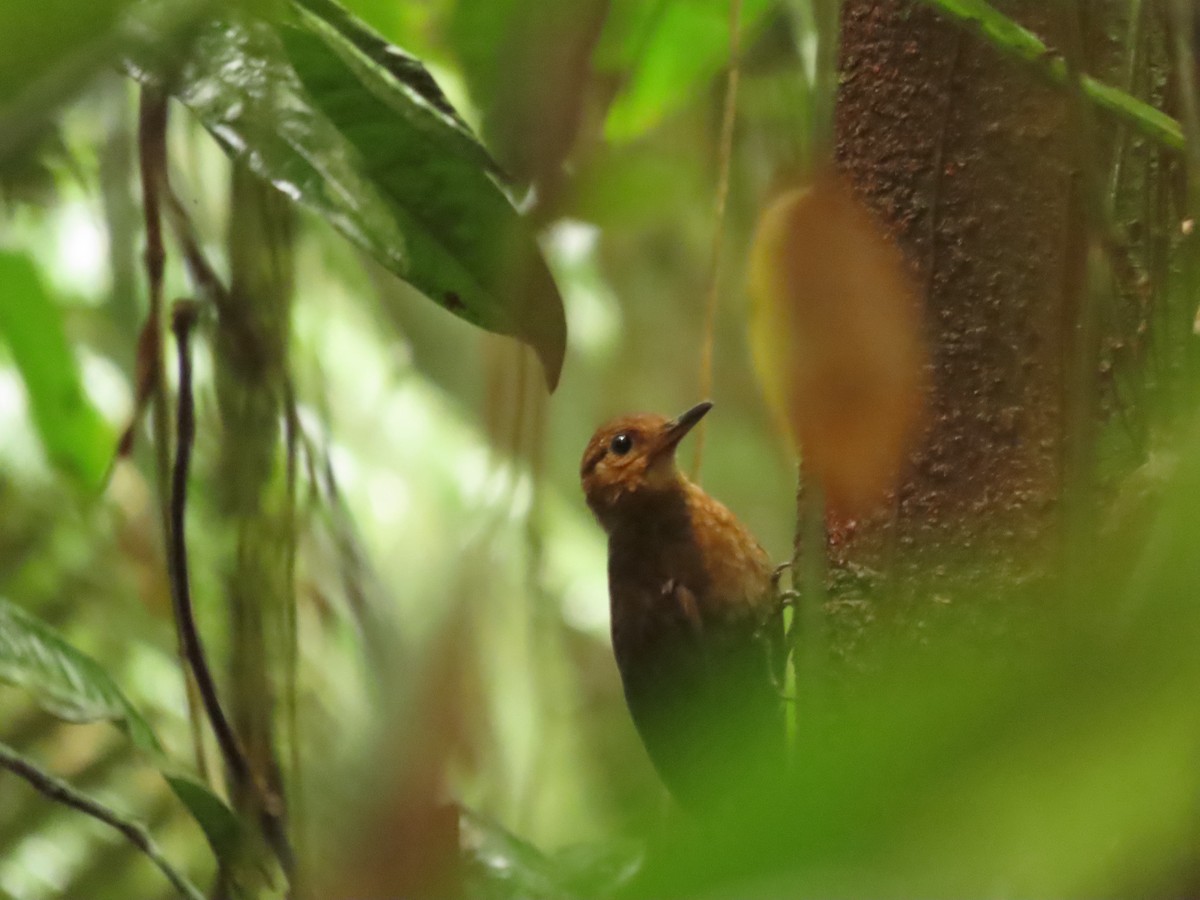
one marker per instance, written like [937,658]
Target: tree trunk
[251,348]
[968,162]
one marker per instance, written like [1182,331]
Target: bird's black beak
[678,427]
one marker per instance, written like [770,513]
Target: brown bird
[695,629]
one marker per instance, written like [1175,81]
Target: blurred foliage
[75,436]
[671,49]
[443,709]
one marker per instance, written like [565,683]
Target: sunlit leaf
[397,73]
[467,247]
[75,435]
[65,682]
[674,47]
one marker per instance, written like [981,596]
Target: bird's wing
[683,600]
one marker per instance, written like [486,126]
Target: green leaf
[1008,36]
[401,71]
[468,248]
[250,869]
[69,684]
[353,128]
[249,866]
[674,48]
[76,437]
[217,820]
[65,682]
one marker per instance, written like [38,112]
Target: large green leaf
[469,250]
[75,435]
[356,130]
[394,71]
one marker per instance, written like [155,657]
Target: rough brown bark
[967,160]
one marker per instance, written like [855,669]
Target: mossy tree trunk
[251,348]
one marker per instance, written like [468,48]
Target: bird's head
[631,459]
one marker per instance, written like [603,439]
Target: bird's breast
[679,570]
[656,589]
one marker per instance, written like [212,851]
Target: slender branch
[152,159]
[1133,39]
[203,275]
[728,114]
[1133,65]
[1088,284]
[827,16]
[1183,21]
[182,322]
[1098,199]
[292,438]
[60,792]
[809,583]
[231,750]
[152,379]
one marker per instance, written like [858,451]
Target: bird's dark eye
[621,444]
